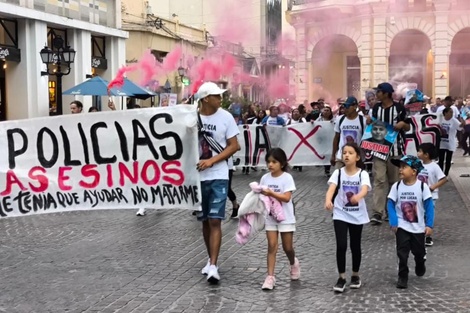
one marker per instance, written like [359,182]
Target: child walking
[432,174]
[411,216]
[345,196]
[280,186]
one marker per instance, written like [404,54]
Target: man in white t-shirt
[220,126]
[448,104]
[348,128]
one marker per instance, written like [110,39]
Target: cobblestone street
[113,261]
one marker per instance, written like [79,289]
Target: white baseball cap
[208,89]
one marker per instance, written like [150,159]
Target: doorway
[3,94]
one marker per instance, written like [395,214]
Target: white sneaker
[213,275]
[269,283]
[205,269]
[141,212]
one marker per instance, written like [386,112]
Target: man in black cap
[384,172]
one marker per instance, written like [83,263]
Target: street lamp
[59,55]
[181,72]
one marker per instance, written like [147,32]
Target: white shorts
[282,228]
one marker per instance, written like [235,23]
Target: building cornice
[16,11]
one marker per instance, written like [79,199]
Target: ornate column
[301,63]
[441,50]
[366,49]
[380,51]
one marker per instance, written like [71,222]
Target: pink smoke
[172,60]
[212,68]
[149,66]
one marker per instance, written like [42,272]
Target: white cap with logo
[208,89]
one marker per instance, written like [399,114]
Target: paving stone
[113,261]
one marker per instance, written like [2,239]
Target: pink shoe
[269,283]
[295,270]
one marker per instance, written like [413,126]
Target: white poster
[124,159]
[168,99]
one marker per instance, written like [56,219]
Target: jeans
[355,233]
[214,197]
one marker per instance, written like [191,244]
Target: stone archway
[410,23]
[347,31]
[334,68]
[459,64]
[411,60]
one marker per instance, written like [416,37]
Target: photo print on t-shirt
[445,130]
[349,192]
[350,136]
[409,210]
[423,176]
[205,151]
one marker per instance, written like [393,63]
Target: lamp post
[58,56]
[181,72]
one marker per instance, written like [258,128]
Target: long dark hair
[358,151]
[279,155]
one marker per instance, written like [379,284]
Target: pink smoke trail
[172,60]
[118,81]
[148,66]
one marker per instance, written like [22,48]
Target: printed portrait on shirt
[423,176]
[445,130]
[349,192]
[350,136]
[205,151]
[409,209]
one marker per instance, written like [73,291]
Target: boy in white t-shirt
[432,174]
[411,216]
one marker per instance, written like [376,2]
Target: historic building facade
[90,27]
[346,47]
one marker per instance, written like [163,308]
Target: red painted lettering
[168,169]
[10,180]
[41,179]
[124,172]
[89,170]
[62,178]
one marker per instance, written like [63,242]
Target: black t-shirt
[392,115]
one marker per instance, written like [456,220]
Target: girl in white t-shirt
[345,196]
[280,186]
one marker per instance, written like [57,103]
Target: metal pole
[59,93]
[59,75]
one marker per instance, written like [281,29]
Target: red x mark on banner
[303,141]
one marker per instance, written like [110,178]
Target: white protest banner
[304,143]
[423,128]
[126,159]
